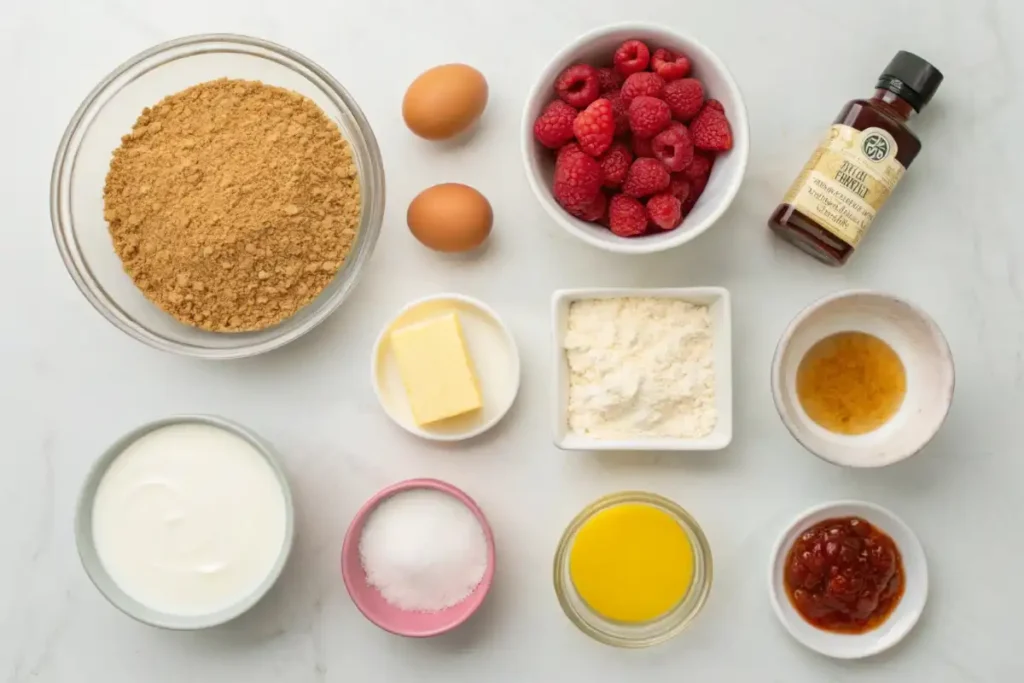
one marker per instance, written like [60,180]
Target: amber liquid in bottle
[884,110]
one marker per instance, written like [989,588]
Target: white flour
[640,367]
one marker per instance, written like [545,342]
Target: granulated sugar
[423,550]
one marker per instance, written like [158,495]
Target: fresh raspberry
[577,179]
[648,116]
[711,160]
[669,65]
[615,163]
[665,211]
[646,177]
[571,148]
[696,190]
[631,57]
[620,111]
[715,104]
[609,79]
[578,85]
[679,187]
[710,130]
[697,187]
[699,167]
[660,57]
[684,98]
[627,217]
[553,128]
[642,147]
[643,83]
[672,147]
[596,210]
[595,127]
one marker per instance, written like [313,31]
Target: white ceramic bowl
[717,299]
[597,47]
[912,334]
[103,581]
[492,350]
[889,632]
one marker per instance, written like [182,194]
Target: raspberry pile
[634,142]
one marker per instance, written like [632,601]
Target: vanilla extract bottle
[869,147]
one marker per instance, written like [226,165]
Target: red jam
[844,575]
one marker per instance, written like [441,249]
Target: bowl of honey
[862,378]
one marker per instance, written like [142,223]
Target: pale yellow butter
[436,369]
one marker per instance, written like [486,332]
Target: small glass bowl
[648,633]
[110,110]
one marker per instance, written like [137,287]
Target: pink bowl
[369,600]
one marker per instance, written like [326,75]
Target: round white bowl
[596,47]
[912,334]
[491,347]
[886,634]
[103,581]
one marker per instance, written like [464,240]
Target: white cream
[189,520]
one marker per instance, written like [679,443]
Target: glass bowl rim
[701,549]
[63,168]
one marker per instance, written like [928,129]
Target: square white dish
[720,308]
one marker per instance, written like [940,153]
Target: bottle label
[847,180]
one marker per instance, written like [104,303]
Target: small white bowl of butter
[186,522]
[446,368]
[642,369]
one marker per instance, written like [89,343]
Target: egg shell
[450,217]
[444,101]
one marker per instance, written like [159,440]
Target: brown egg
[450,217]
[444,101]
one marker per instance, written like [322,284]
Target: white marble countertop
[948,241]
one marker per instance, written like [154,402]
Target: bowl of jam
[848,579]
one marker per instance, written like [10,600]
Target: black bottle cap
[911,78]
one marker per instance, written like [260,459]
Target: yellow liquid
[851,383]
[631,563]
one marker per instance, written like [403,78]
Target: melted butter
[631,563]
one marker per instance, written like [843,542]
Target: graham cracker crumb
[233,204]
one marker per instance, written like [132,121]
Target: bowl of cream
[186,522]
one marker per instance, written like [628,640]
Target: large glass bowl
[110,110]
